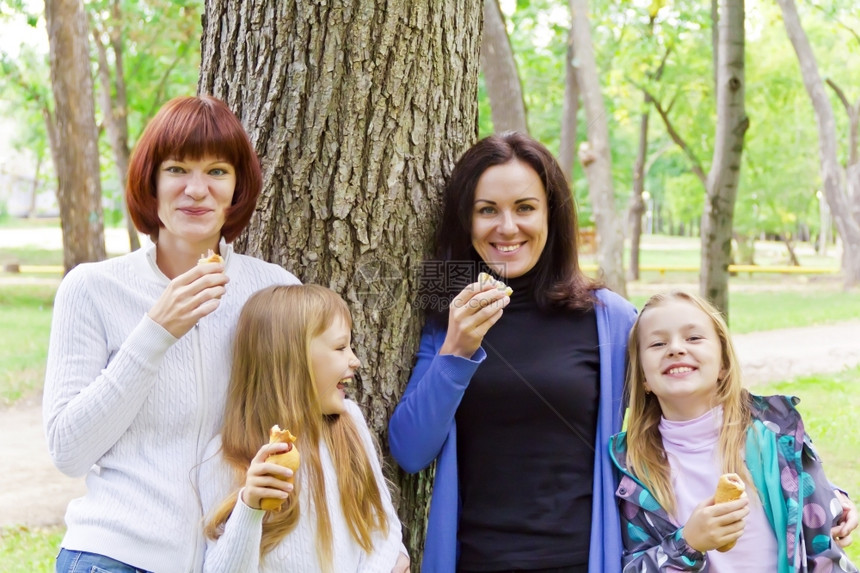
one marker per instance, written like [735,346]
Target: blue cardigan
[422,429]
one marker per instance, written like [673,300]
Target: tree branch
[676,137]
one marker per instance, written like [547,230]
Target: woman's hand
[477,308]
[265,480]
[847,523]
[189,297]
[714,525]
[402,565]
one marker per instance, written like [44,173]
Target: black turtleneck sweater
[526,429]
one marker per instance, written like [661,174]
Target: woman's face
[193,198]
[510,218]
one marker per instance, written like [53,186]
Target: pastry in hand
[210,257]
[729,488]
[488,278]
[289,459]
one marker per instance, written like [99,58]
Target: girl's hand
[265,480]
[189,297]
[402,565]
[846,523]
[714,525]
[477,308]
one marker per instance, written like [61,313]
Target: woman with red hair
[139,357]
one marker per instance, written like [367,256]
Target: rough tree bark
[852,165]
[501,76]
[115,106]
[77,155]
[847,225]
[595,155]
[358,110]
[724,175]
[569,111]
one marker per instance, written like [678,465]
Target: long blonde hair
[646,457]
[272,382]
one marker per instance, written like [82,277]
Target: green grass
[829,405]
[24,550]
[25,322]
[30,256]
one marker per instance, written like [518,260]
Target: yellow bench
[663,269]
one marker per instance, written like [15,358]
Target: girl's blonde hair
[272,382]
[646,456]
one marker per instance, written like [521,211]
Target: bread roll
[289,459]
[729,488]
[210,257]
[488,278]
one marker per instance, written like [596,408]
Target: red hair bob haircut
[193,128]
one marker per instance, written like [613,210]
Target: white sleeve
[386,547]
[238,548]
[90,398]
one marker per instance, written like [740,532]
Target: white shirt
[238,549]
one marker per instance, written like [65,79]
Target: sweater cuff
[149,340]
[456,367]
[245,515]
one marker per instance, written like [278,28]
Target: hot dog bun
[289,459]
[210,257]
[729,488]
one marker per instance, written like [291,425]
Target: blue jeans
[83,562]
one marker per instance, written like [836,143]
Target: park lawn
[25,323]
[25,550]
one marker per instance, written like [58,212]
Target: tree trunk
[570,108]
[507,106]
[724,175]
[358,111]
[115,108]
[595,155]
[847,226]
[77,158]
[636,206]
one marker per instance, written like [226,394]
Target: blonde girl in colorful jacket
[690,421]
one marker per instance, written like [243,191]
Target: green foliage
[26,550]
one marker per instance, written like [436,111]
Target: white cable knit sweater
[238,549]
[133,408]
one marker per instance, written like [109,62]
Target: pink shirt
[691,447]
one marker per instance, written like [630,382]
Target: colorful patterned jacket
[785,466]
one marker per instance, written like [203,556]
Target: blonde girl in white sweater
[291,362]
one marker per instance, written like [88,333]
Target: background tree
[724,175]
[847,223]
[77,157]
[595,155]
[358,111]
[501,77]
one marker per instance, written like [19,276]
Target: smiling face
[510,218]
[193,198]
[681,355]
[334,365]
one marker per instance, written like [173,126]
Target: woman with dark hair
[515,397]
[139,357]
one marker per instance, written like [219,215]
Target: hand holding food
[471,315]
[714,524]
[289,459]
